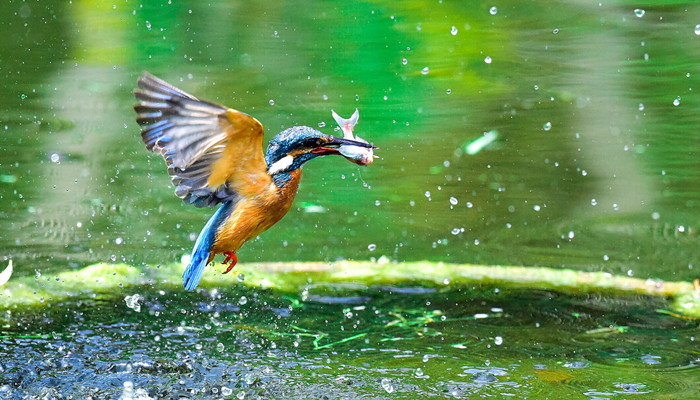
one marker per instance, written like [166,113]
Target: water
[592,166]
[466,342]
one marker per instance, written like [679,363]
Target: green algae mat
[683,297]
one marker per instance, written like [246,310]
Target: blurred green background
[595,165]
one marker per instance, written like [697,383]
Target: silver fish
[356,154]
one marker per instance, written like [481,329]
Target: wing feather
[213,153]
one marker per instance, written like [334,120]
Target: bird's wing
[213,153]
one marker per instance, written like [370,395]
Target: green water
[595,167]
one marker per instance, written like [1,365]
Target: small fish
[356,154]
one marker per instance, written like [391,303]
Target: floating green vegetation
[478,144]
[297,278]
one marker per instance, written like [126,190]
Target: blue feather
[202,247]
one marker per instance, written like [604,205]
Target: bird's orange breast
[255,214]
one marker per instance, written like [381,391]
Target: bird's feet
[230,256]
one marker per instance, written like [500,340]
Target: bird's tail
[202,247]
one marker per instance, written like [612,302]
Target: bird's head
[291,148]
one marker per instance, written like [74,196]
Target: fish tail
[346,124]
[202,247]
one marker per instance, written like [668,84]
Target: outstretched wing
[213,153]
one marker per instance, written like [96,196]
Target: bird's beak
[333,145]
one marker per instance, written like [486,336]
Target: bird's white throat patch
[281,165]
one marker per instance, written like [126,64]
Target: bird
[214,157]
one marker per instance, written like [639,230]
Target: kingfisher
[214,158]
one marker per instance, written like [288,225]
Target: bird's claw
[233,258]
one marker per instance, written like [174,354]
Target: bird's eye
[312,142]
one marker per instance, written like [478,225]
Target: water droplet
[594,202]
[272,102]
[404,61]
[220,347]
[641,107]
[321,124]
[639,13]
[425,71]
[547,126]
[118,240]
[697,29]
[455,231]
[498,340]
[555,31]
[493,10]
[386,385]
[240,395]
[536,207]
[571,234]
[487,60]
[448,91]
[226,391]
[55,158]
[454,31]
[419,372]
[677,101]
[372,247]
[454,201]
[148,25]
[241,277]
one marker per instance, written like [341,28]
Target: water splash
[133,302]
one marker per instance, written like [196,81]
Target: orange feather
[242,163]
[254,215]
